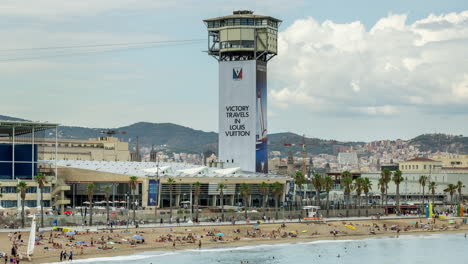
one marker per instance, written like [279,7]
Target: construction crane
[304,153]
[109,133]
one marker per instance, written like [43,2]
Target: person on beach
[199,243]
[70,256]
[61,255]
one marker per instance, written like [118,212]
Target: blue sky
[324,84]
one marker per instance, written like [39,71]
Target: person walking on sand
[61,255]
[199,243]
[70,256]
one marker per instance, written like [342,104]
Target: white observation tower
[243,43]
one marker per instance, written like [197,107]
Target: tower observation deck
[243,43]
[243,36]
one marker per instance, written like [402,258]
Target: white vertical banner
[237,113]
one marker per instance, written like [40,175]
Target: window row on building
[32,189]
[242,22]
[416,167]
[28,203]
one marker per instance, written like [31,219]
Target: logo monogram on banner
[237,74]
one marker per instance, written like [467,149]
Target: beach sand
[264,234]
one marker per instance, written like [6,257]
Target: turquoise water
[425,249]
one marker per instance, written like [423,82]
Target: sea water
[424,249]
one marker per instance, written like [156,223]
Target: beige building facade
[101,149]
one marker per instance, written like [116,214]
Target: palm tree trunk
[90,213]
[328,201]
[170,205]
[22,213]
[398,196]
[276,206]
[245,206]
[423,195]
[433,198]
[196,206]
[222,207]
[134,207]
[42,209]
[107,210]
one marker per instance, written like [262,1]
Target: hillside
[176,138]
[441,142]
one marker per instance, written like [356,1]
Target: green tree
[133,183]
[347,183]
[197,191]
[245,191]
[432,188]
[264,190]
[398,179]
[317,183]
[451,188]
[327,185]
[90,192]
[221,188]
[358,184]
[21,188]
[277,191]
[367,187]
[422,181]
[41,181]
[107,191]
[386,175]
[460,185]
[171,182]
[381,185]
[299,180]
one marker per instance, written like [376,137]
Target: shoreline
[266,243]
[165,247]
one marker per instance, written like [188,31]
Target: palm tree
[264,190]
[387,177]
[197,190]
[367,186]
[422,181]
[299,180]
[381,185]
[432,187]
[358,184]
[398,179]
[451,188]
[21,188]
[317,183]
[459,188]
[41,181]
[327,185]
[90,192]
[277,191]
[171,182]
[221,188]
[347,183]
[245,191]
[107,190]
[133,186]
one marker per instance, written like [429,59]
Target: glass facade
[242,22]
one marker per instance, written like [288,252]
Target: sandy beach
[105,243]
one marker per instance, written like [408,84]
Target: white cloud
[344,68]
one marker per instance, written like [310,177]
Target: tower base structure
[243,137]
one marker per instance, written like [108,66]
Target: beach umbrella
[137,237]
[220,234]
[70,233]
[413,223]
[67,212]
[113,213]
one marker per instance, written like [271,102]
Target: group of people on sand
[64,255]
